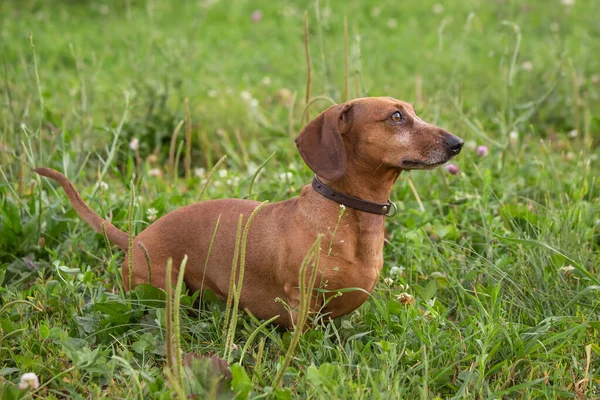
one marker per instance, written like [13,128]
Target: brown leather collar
[388,209]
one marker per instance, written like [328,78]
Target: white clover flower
[252,168]
[154,172]
[253,103]
[102,185]
[513,138]
[266,81]
[396,271]
[223,173]
[438,8]
[567,2]
[151,214]
[388,281]
[246,95]
[199,172]
[405,298]
[567,270]
[286,176]
[342,207]
[29,380]
[573,134]
[228,182]
[527,66]
[134,144]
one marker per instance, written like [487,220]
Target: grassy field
[494,273]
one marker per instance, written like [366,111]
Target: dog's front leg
[294,302]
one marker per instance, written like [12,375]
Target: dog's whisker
[377,169]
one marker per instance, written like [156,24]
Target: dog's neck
[375,187]
[368,229]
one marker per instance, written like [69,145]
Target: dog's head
[373,133]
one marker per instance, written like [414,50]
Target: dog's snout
[454,143]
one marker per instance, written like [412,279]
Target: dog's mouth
[414,164]
[435,160]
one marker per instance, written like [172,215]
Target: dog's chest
[353,261]
[354,279]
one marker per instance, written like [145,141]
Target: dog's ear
[321,144]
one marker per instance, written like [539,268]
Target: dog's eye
[397,117]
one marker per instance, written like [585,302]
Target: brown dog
[357,149]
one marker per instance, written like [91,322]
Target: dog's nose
[454,143]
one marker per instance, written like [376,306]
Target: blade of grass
[209,177]
[261,166]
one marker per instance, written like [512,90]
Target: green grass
[497,310]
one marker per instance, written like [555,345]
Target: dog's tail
[115,235]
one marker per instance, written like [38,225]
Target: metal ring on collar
[393,210]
